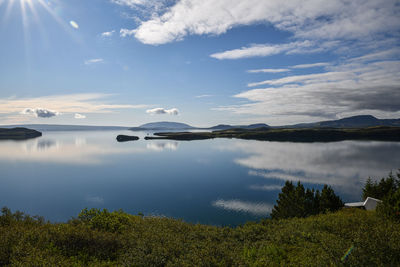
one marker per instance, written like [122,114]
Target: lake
[219,182]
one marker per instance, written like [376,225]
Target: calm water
[218,182]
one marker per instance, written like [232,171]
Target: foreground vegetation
[380,133]
[102,238]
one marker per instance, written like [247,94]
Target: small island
[18,133]
[125,138]
[379,133]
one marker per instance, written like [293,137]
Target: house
[369,204]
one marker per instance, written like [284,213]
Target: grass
[102,238]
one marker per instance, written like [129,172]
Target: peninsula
[379,133]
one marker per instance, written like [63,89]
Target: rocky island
[18,133]
[125,138]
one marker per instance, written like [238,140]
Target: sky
[202,62]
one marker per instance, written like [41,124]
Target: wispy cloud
[312,65]
[108,34]
[243,206]
[268,70]
[40,112]
[203,96]
[160,111]
[75,103]
[94,61]
[262,50]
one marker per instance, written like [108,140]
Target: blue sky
[203,62]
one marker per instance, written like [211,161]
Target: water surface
[220,181]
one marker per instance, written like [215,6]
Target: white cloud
[203,96]
[268,70]
[160,111]
[94,61]
[322,19]
[312,65]
[262,50]
[79,116]
[40,112]
[126,32]
[308,78]
[243,206]
[108,34]
[75,103]
[74,24]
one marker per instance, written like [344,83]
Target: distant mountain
[163,125]
[350,122]
[227,127]
[55,127]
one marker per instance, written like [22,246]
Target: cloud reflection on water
[71,150]
[244,206]
[161,146]
[343,164]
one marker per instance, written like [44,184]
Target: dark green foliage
[390,207]
[329,201]
[91,240]
[385,186]
[295,201]
[387,190]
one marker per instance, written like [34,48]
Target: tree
[385,186]
[295,201]
[329,201]
[387,190]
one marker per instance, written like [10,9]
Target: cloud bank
[363,85]
[305,19]
[161,111]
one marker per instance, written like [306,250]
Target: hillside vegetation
[102,238]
